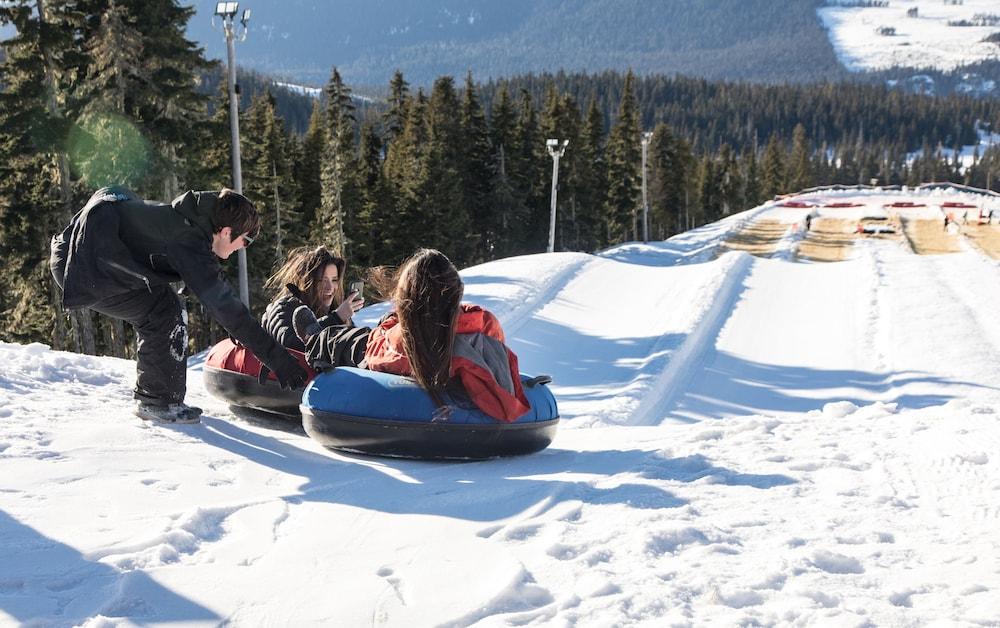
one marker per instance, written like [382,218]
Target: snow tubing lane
[381,414]
[231,372]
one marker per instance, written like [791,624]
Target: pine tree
[171,108]
[373,244]
[307,171]
[36,195]
[800,174]
[269,183]
[403,176]
[624,159]
[394,119]
[338,168]
[668,175]
[448,225]
[111,149]
[773,168]
[476,171]
[507,225]
[590,187]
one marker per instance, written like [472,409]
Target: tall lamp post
[645,203]
[227,11]
[556,150]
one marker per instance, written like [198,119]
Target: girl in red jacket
[433,337]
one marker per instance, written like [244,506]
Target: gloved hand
[286,368]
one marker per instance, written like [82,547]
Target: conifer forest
[101,92]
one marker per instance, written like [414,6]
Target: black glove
[286,368]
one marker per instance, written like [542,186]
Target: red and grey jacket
[481,361]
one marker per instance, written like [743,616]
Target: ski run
[747,438]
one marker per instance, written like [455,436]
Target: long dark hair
[427,292]
[303,269]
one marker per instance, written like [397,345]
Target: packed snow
[744,441]
[925,40]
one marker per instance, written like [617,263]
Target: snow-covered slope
[925,39]
[745,440]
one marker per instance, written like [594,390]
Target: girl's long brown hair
[304,269]
[427,292]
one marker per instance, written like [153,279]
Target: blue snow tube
[381,414]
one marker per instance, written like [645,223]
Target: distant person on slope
[306,288]
[119,255]
[448,346]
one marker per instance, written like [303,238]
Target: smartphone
[359,287]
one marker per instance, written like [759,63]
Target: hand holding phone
[359,288]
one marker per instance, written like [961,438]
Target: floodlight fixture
[245,18]
[227,9]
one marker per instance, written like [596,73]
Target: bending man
[119,255]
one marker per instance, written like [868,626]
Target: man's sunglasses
[247,241]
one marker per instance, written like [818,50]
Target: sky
[744,439]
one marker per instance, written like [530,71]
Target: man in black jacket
[119,256]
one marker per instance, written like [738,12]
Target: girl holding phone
[309,297]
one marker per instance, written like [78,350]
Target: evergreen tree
[475,170]
[446,218]
[752,192]
[590,184]
[668,175]
[36,194]
[403,176]
[394,119]
[372,238]
[800,175]
[623,153]
[307,172]
[529,168]
[268,181]
[337,169]
[773,168]
[507,224]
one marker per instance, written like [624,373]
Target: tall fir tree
[268,181]
[623,153]
[668,174]
[800,171]
[337,169]
[591,186]
[448,221]
[307,170]
[476,171]
[41,60]
[773,169]
[394,119]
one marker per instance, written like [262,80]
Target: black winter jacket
[278,320]
[118,243]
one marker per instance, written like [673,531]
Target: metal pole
[552,213]
[645,202]
[234,125]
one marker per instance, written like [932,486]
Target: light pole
[556,150]
[645,203]
[227,11]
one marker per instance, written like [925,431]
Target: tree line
[99,92]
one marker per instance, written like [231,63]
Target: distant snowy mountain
[368,40]
[939,34]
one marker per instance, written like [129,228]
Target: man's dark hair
[237,212]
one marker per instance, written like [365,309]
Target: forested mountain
[101,92]
[368,40]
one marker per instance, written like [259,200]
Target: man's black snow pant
[160,322]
